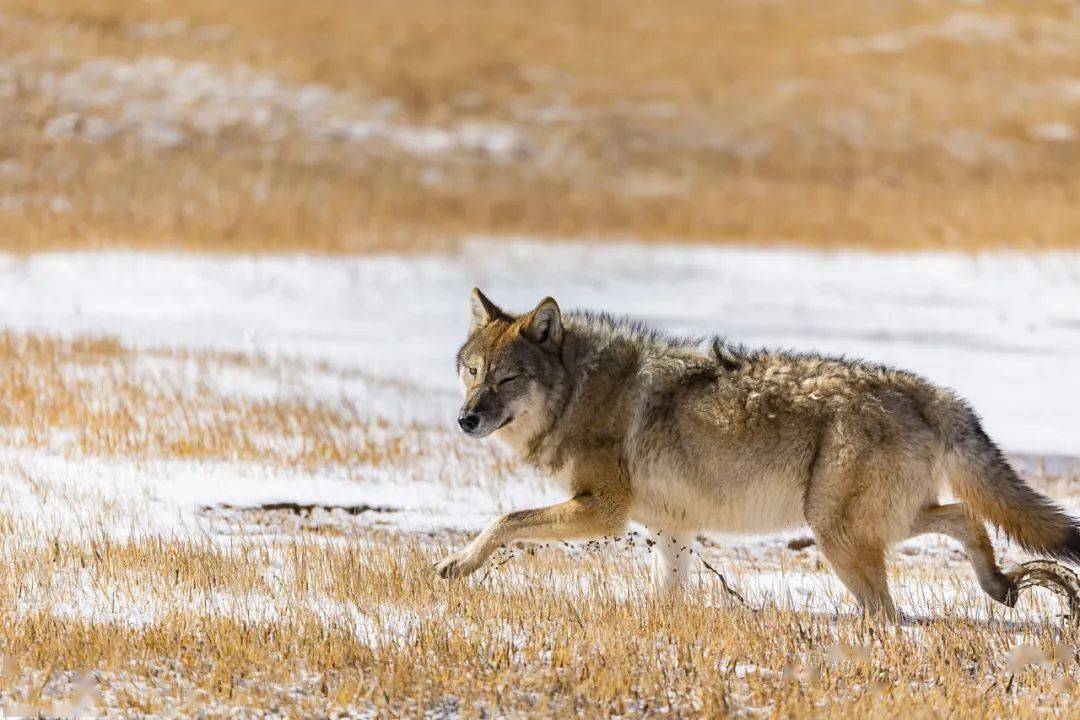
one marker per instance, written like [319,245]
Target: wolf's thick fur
[684,436]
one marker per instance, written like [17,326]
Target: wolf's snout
[468,421]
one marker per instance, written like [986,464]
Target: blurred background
[403,125]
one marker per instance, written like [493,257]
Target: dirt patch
[303,509]
[289,518]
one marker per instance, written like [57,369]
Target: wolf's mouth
[505,422]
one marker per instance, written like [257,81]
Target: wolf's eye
[472,371]
[508,378]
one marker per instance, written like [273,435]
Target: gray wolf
[685,435]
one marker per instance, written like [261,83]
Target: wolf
[684,435]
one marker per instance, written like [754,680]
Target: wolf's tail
[981,476]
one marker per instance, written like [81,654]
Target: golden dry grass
[110,402]
[291,627]
[879,125]
[293,621]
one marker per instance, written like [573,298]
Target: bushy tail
[982,477]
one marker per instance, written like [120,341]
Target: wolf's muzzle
[468,422]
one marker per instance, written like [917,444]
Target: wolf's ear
[544,325]
[481,310]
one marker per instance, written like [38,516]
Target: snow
[164,102]
[971,146]
[1053,131]
[1003,330]
[959,28]
[165,497]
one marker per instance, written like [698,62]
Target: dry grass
[883,125]
[108,400]
[93,396]
[291,627]
[294,621]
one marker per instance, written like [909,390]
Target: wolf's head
[510,366]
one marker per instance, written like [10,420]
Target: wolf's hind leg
[670,560]
[861,567]
[953,520]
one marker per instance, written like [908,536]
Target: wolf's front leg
[582,516]
[670,559]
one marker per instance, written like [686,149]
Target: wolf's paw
[1003,589]
[460,564]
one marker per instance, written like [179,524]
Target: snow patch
[960,28]
[1053,132]
[164,102]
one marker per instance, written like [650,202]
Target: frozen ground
[1004,330]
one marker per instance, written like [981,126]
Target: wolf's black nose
[469,421]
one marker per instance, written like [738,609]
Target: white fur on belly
[753,505]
